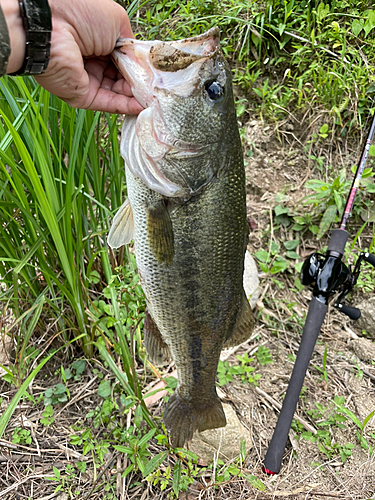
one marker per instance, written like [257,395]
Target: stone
[364,349]
[367,319]
[225,439]
[251,280]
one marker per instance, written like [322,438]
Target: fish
[186,211]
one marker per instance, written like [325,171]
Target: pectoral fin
[160,233]
[244,325]
[122,229]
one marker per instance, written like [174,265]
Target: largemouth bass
[186,211]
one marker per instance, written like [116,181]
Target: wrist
[17,34]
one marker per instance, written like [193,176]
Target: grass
[62,179]
[284,54]
[54,219]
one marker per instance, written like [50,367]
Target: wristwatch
[36,18]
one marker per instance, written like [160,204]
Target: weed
[263,355]
[97,447]
[56,394]
[47,416]
[335,416]
[185,471]
[21,436]
[324,369]
[66,480]
[75,371]
[244,371]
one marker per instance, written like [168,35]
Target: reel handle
[370,258]
[352,312]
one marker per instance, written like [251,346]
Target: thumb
[125,27]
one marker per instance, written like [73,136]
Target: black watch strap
[36,17]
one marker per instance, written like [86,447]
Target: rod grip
[337,241]
[314,321]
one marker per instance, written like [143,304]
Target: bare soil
[277,164]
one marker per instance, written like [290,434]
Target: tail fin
[182,418]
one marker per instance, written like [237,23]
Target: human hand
[80,70]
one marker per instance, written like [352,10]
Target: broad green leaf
[154,463]
[291,244]
[279,209]
[357,26]
[279,265]
[370,23]
[263,256]
[105,389]
[255,482]
[327,219]
[176,477]
[292,255]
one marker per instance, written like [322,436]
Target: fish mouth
[148,65]
[152,68]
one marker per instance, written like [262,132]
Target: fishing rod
[326,275]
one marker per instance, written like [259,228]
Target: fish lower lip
[120,42]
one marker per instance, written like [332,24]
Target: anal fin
[157,350]
[244,325]
[122,229]
[160,232]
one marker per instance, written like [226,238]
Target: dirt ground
[277,164]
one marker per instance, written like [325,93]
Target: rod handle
[314,321]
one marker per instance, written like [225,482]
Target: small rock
[62,496]
[251,280]
[364,349]
[225,439]
[367,319]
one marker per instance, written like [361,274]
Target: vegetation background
[72,310]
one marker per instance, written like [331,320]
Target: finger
[112,79]
[111,102]
[125,27]
[121,86]
[106,95]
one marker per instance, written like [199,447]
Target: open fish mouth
[146,65]
[155,69]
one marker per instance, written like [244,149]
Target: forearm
[17,34]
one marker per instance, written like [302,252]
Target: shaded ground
[310,470]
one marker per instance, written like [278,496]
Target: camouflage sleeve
[4,44]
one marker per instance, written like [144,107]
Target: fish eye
[214,90]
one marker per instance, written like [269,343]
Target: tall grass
[313,51]
[57,188]
[60,178]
